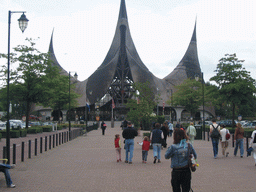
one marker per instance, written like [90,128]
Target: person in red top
[145,148]
[118,147]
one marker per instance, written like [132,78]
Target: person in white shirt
[253,144]
[170,125]
[224,142]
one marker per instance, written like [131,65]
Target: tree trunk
[233,114]
[27,114]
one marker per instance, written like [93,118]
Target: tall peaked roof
[53,57]
[189,65]
[122,45]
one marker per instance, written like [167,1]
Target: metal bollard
[41,145]
[22,151]
[233,140]
[29,149]
[50,142]
[57,140]
[4,152]
[53,141]
[35,146]
[45,144]
[14,154]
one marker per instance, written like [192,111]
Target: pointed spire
[189,65]
[122,13]
[52,55]
[194,34]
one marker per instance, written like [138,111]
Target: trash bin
[198,132]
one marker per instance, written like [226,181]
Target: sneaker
[126,161]
[155,160]
[117,160]
[159,161]
[120,160]
[12,166]
[11,186]
[241,156]
[130,162]
[227,154]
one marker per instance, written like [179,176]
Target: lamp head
[23,22]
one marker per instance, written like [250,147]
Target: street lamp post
[202,82]
[69,122]
[23,23]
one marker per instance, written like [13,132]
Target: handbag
[190,164]
[227,135]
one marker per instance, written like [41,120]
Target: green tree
[30,81]
[235,84]
[189,95]
[141,108]
[59,93]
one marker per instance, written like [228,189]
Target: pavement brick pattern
[88,164]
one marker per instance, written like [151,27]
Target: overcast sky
[161,31]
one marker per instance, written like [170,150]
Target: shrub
[0,136]
[23,132]
[47,128]
[146,134]
[34,130]
[15,133]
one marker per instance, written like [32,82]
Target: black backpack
[215,132]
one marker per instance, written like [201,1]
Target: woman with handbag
[179,153]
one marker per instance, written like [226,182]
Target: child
[145,148]
[118,147]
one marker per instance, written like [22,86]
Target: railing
[47,143]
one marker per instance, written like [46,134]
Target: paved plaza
[88,163]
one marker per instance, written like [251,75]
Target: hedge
[13,133]
[47,128]
[146,134]
[23,132]
[0,136]
[34,130]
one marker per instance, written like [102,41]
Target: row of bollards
[50,142]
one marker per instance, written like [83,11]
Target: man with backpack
[215,135]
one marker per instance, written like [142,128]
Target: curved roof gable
[189,65]
[101,79]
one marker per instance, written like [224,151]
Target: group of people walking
[179,152]
[182,148]
[219,132]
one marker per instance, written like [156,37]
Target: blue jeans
[5,169]
[157,150]
[240,144]
[215,144]
[129,147]
[144,155]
